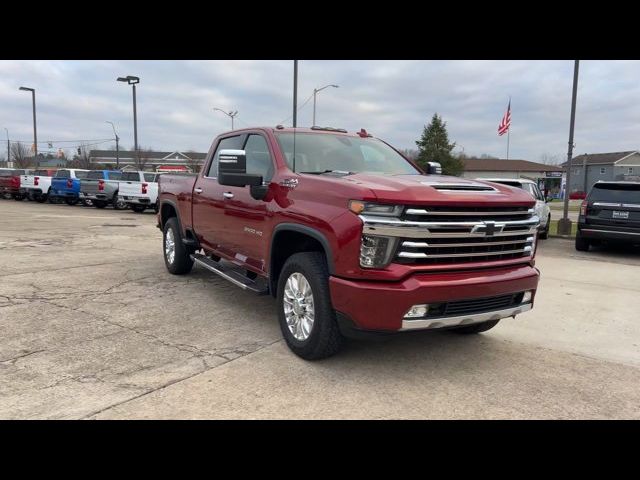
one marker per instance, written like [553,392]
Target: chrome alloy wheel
[298,306]
[169,246]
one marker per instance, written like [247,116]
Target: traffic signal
[79,153]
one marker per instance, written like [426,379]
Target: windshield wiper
[342,172]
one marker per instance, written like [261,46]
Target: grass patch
[553,228]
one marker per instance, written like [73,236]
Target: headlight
[358,207]
[375,251]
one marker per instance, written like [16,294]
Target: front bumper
[381,306]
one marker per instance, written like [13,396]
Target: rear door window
[611,193]
[94,175]
[130,177]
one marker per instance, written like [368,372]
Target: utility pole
[133,81]
[295,93]
[564,224]
[35,131]
[8,147]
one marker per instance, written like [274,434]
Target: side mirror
[232,170]
[434,168]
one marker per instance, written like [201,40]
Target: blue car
[65,185]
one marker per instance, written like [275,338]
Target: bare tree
[142,157]
[551,159]
[20,155]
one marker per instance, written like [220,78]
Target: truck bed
[177,188]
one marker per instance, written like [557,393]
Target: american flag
[506,121]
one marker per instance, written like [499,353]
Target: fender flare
[311,232]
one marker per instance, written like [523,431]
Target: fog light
[528,295]
[417,311]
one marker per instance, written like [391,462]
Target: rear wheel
[87,203]
[176,255]
[41,197]
[71,200]
[477,327]
[99,203]
[138,208]
[306,316]
[582,244]
[118,203]
[19,197]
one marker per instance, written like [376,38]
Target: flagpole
[508,138]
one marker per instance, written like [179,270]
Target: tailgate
[130,189]
[89,187]
[26,181]
[621,214]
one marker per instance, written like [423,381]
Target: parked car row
[98,188]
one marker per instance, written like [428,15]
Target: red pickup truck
[10,183]
[351,237]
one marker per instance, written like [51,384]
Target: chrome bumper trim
[595,230]
[443,322]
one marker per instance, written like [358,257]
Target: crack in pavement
[13,360]
[173,382]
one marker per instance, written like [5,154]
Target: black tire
[325,338]
[87,203]
[156,207]
[582,244]
[476,327]
[182,262]
[545,233]
[138,208]
[41,198]
[71,200]
[119,204]
[99,203]
[18,198]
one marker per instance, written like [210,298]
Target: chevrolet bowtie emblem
[488,228]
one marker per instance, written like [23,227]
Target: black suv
[611,211]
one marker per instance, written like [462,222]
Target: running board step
[232,276]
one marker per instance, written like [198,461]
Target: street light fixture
[230,114]
[35,132]
[133,81]
[117,144]
[315,92]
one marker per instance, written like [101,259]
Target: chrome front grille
[454,235]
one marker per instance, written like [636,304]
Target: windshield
[318,153]
[612,193]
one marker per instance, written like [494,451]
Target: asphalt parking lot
[92,326]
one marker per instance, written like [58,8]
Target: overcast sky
[393,100]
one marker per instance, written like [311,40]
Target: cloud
[391,99]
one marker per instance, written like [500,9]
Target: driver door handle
[197,190]
[227,195]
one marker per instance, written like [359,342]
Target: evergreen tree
[434,146]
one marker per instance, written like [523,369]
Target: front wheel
[71,200]
[545,233]
[306,316]
[177,257]
[477,327]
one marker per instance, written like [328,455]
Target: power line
[297,110]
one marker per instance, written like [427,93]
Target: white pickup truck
[37,185]
[139,190]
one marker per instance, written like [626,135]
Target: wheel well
[167,212]
[286,243]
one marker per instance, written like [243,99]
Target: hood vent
[460,187]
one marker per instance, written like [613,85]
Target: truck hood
[437,189]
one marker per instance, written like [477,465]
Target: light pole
[315,92]
[35,131]
[564,224]
[8,147]
[295,96]
[133,81]
[117,145]
[230,114]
